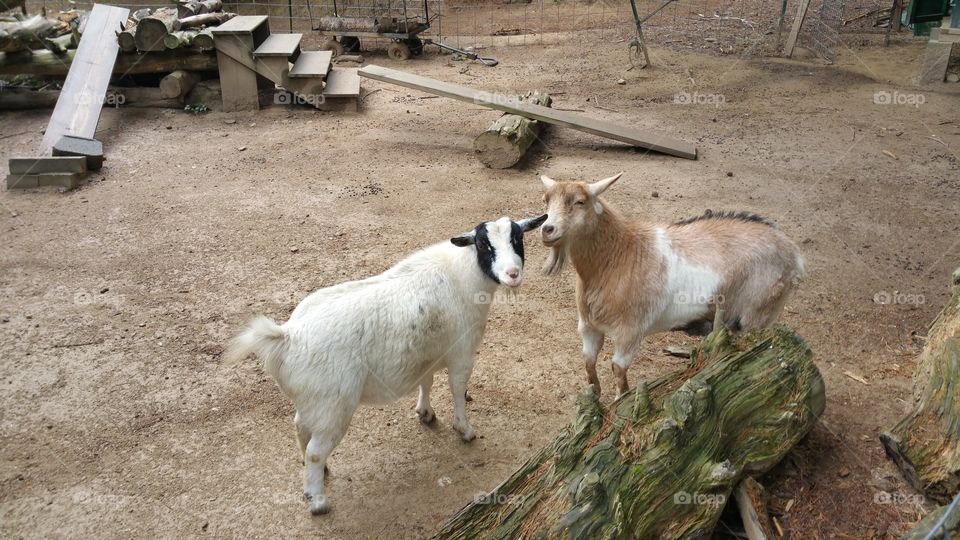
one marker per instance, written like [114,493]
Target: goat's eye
[578,202]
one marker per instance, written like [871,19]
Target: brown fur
[621,273]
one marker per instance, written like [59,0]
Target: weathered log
[60,44]
[662,460]
[141,96]
[206,93]
[752,503]
[189,8]
[945,518]
[206,19]
[342,58]
[505,142]
[203,41]
[26,34]
[126,40]
[16,98]
[151,30]
[13,98]
[47,63]
[925,444]
[178,84]
[180,38]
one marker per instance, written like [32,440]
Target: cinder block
[64,180]
[92,149]
[63,164]
[935,62]
[22,181]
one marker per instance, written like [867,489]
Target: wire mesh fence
[754,27]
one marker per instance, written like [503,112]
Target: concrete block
[62,164]
[22,181]
[92,149]
[935,62]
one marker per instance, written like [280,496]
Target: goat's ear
[547,182]
[600,186]
[464,240]
[529,224]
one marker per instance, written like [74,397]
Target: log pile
[663,460]
[39,32]
[185,27]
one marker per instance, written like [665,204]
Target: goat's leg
[424,409]
[303,435]
[592,343]
[458,377]
[325,435]
[623,355]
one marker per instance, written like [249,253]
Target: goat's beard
[555,260]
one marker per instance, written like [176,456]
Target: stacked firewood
[23,33]
[185,26]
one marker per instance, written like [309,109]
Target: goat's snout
[548,230]
[513,273]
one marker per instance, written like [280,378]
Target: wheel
[333,46]
[416,46]
[350,44]
[399,51]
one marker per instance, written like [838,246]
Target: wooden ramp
[78,109]
[629,135]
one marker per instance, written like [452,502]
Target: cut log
[752,502]
[153,29]
[206,19]
[126,39]
[26,34]
[206,93]
[26,98]
[14,98]
[925,445]
[662,460]
[189,8]
[60,44]
[178,84]
[505,142]
[180,38]
[203,41]
[47,63]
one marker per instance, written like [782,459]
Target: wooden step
[285,45]
[342,83]
[241,24]
[312,64]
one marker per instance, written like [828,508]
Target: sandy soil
[119,420]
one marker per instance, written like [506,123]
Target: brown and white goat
[636,278]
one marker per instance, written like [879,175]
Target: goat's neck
[609,246]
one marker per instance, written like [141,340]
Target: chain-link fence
[755,27]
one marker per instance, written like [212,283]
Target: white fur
[688,291]
[376,340]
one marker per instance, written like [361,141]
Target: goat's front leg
[592,343]
[424,409]
[458,375]
[623,355]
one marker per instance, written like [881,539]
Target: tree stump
[662,460]
[505,142]
[178,84]
[925,445]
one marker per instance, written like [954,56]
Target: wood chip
[856,377]
[889,154]
[779,528]
[788,506]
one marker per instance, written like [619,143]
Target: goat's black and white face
[499,246]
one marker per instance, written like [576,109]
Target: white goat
[375,340]
[637,278]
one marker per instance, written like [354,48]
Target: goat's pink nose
[548,229]
[513,273]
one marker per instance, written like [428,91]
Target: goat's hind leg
[325,435]
[424,409]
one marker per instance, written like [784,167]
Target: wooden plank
[48,63]
[312,64]
[241,24]
[602,128]
[795,30]
[342,82]
[78,109]
[285,45]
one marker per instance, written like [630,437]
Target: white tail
[266,339]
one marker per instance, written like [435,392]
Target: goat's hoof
[427,416]
[467,397]
[319,505]
[467,434]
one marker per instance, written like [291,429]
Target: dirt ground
[119,420]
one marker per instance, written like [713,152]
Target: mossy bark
[662,460]
[925,444]
[505,142]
